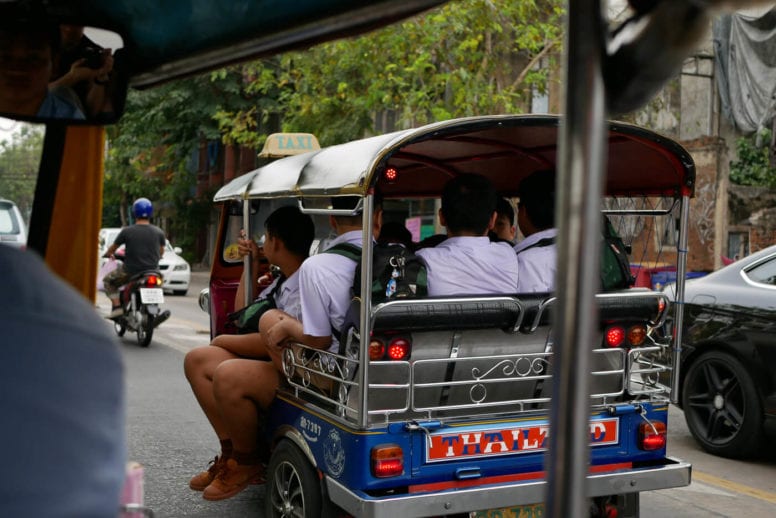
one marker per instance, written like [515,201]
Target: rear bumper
[670,473]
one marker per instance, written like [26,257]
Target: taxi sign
[279,145]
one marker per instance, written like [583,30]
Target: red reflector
[399,349]
[652,436]
[615,336]
[637,335]
[391,174]
[661,305]
[387,461]
[376,350]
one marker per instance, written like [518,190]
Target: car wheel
[721,406]
[293,487]
[180,292]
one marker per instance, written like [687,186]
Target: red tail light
[387,461]
[399,349]
[391,174]
[652,436]
[153,281]
[615,336]
[618,336]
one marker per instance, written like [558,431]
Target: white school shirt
[287,297]
[325,282]
[537,265]
[470,265]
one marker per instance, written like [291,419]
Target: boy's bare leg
[200,365]
[249,345]
[243,388]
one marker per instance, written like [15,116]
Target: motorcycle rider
[144,245]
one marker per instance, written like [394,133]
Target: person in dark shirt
[144,245]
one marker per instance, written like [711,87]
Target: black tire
[293,488]
[180,292]
[722,407]
[145,327]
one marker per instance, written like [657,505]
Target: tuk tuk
[459,421]
[607,71]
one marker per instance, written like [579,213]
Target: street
[169,436]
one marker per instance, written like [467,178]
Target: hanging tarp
[745,53]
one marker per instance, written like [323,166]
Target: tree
[19,163]
[753,166]
[467,58]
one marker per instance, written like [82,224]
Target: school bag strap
[547,241]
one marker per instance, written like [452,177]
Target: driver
[144,245]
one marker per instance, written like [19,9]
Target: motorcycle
[140,299]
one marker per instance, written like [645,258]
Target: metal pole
[366,305]
[681,273]
[247,259]
[581,165]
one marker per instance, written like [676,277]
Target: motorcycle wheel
[145,327]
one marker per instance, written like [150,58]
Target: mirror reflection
[59,71]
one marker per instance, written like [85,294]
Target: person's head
[142,209]
[504,227]
[536,208]
[71,35]
[295,230]
[342,224]
[395,232]
[27,57]
[468,205]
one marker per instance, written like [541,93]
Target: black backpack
[397,273]
[615,265]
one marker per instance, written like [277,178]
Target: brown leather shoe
[232,479]
[201,480]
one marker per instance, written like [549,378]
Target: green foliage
[753,166]
[469,57]
[19,163]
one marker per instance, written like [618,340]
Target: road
[169,435]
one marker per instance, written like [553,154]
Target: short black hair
[468,203]
[537,195]
[504,208]
[294,229]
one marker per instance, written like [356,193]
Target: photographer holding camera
[84,72]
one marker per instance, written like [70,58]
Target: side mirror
[52,72]
[178,250]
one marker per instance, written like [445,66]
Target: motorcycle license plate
[518,511]
[151,296]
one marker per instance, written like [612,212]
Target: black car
[728,369]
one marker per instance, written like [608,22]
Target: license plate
[517,511]
[151,296]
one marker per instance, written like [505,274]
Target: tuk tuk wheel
[145,327]
[293,486]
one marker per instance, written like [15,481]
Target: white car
[176,271]
[12,228]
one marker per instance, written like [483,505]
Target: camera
[93,57]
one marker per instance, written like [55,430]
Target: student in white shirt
[234,376]
[325,282]
[467,262]
[537,252]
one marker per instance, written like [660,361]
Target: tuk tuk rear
[459,422]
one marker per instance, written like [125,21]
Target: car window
[764,273]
